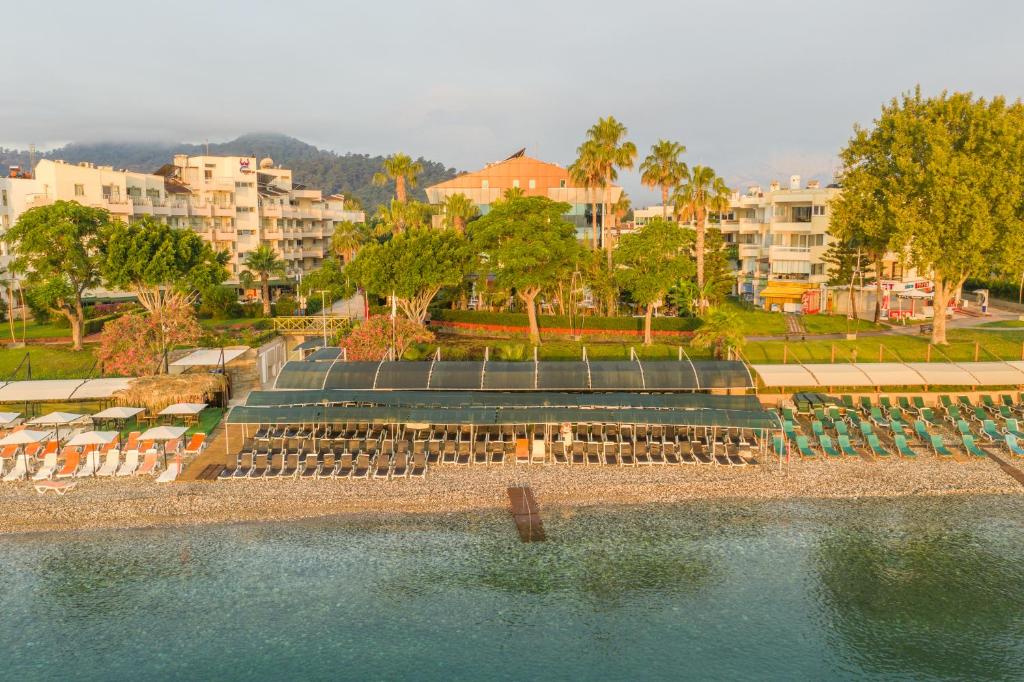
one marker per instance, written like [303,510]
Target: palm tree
[458,210]
[352,204]
[702,191]
[611,153]
[399,217]
[513,193]
[348,238]
[721,331]
[402,170]
[263,264]
[586,172]
[662,168]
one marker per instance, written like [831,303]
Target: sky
[757,90]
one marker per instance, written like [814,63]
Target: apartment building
[228,200]
[534,178]
[18,193]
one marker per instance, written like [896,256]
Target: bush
[220,303]
[286,306]
[562,321]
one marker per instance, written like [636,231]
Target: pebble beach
[141,503]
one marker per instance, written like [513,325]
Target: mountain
[350,174]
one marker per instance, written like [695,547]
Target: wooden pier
[526,514]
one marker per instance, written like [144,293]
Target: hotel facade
[534,178]
[228,200]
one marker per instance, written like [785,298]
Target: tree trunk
[460,224]
[647,324]
[605,227]
[878,290]
[400,189]
[664,202]
[265,286]
[531,313]
[76,317]
[942,291]
[699,247]
[593,219]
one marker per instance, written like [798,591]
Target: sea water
[929,588]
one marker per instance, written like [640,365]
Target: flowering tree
[372,339]
[133,345]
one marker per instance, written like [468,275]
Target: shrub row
[668,324]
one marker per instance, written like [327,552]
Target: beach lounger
[196,444]
[1014,446]
[988,403]
[846,447]
[779,445]
[904,403]
[953,414]
[656,449]
[819,415]
[876,447]
[929,416]
[48,468]
[847,401]
[245,464]
[787,414]
[110,464]
[988,428]
[921,431]
[72,458]
[171,472]
[1004,412]
[345,466]
[866,430]
[419,466]
[91,464]
[19,471]
[828,448]
[979,414]
[1013,428]
[149,463]
[945,401]
[1007,400]
[260,464]
[918,404]
[57,487]
[382,466]
[865,405]
[902,447]
[789,430]
[896,427]
[804,448]
[877,418]
[971,447]
[311,466]
[964,401]
[276,467]
[328,463]
[939,448]
[401,466]
[841,429]
[291,464]
[361,468]
[818,429]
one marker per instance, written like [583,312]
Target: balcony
[201,209]
[778,252]
[749,250]
[273,234]
[271,210]
[219,184]
[313,253]
[788,225]
[224,210]
[177,208]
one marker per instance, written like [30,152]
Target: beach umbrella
[24,437]
[94,438]
[8,417]
[163,434]
[116,414]
[181,409]
[56,419]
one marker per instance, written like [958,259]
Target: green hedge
[673,324]
[95,325]
[997,288]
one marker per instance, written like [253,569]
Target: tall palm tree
[262,264]
[513,193]
[458,210]
[702,191]
[399,217]
[721,331]
[348,238]
[612,152]
[402,170]
[662,168]
[587,172]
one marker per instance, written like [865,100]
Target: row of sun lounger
[328,464]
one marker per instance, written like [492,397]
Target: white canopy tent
[163,434]
[210,357]
[892,374]
[118,413]
[24,437]
[61,389]
[93,438]
[7,418]
[57,418]
[183,409]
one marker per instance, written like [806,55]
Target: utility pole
[323,313]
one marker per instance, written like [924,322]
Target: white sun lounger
[58,487]
[17,472]
[170,473]
[131,463]
[49,467]
[110,464]
[91,466]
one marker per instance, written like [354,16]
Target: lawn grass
[208,420]
[1003,324]
[48,362]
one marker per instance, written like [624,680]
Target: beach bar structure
[541,411]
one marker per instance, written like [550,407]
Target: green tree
[610,152]
[513,193]
[587,172]
[663,169]
[648,261]
[262,264]
[400,216]
[330,278]
[721,330]
[702,191]
[945,173]
[400,169]
[459,210]
[160,264]
[348,238]
[846,265]
[526,244]
[57,251]
[718,271]
[412,267]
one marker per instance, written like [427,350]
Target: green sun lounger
[1004,412]
[919,404]
[817,429]
[828,448]
[945,401]
[866,430]
[876,446]
[971,447]
[921,429]
[896,414]
[1013,428]
[819,415]
[896,427]
[876,417]
[929,416]
[1006,400]
[988,427]
[1013,445]
[865,404]
[789,430]
[841,429]
[847,447]
[953,414]
[834,414]
[964,401]
[847,401]
[904,403]
[979,414]
[787,414]
[987,402]
[902,447]
[939,448]
[804,447]
[779,443]
[885,403]
[964,428]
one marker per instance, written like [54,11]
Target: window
[79,192]
[485,183]
[244,209]
[816,240]
[561,183]
[243,184]
[533,183]
[4,198]
[817,268]
[818,210]
[208,174]
[515,183]
[780,211]
[801,214]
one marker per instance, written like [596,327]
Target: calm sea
[906,589]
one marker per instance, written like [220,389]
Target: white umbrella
[24,437]
[118,413]
[163,433]
[8,417]
[56,419]
[183,409]
[94,438]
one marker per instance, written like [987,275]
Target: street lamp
[323,313]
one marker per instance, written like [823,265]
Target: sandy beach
[140,503]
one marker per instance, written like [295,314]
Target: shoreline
[141,504]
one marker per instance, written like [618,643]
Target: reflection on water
[914,589]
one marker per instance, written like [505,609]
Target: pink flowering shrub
[133,344]
[371,339]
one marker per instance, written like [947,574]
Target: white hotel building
[228,200]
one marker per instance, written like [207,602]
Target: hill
[350,174]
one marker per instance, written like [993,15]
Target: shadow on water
[924,599]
